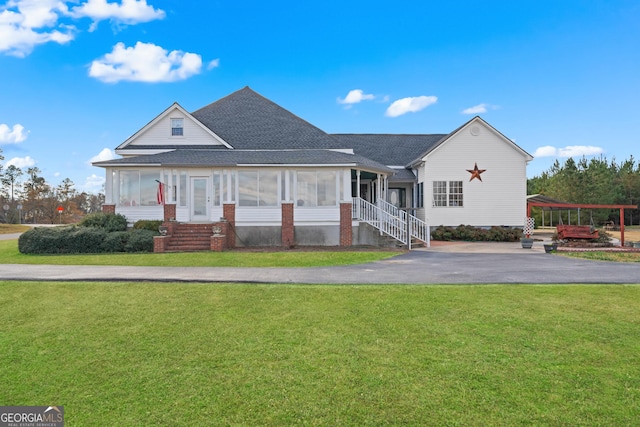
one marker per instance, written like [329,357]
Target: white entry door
[200,198]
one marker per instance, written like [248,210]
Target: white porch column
[287,185]
[358,183]
[108,187]
[227,175]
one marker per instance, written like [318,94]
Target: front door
[200,198]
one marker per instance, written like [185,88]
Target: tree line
[26,197]
[593,181]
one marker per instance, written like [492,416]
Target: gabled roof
[247,120]
[239,158]
[389,149]
[174,106]
[458,130]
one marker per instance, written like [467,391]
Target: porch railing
[391,221]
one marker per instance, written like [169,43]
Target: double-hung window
[447,193]
[177,127]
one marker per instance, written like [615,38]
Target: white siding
[499,199]
[160,133]
[258,216]
[134,214]
[320,215]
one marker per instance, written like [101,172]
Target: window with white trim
[138,188]
[419,195]
[258,188]
[447,193]
[177,127]
[316,188]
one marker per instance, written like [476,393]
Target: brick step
[182,242]
[189,245]
[189,239]
[188,248]
[191,235]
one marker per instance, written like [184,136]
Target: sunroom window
[258,188]
[138,188]
[316,188]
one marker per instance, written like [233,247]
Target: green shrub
[106,221]
[115,241]
[85,240]
[140,241]
[475,234]
[61,240]
[77,240]
[148,224]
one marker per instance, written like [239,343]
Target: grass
[9,254]
[604,256]
[177,354]
[13,228]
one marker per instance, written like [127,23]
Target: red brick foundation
[109,209]
[160,244]
[169,212]
[218,242]
[288,237]
[229,213]
[346,230]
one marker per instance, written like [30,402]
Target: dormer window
[177,127]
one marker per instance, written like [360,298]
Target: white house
[278,180]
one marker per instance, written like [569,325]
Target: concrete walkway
[461,263]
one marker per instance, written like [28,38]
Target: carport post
[621,226]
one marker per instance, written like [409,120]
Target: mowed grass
[9,254]
[178,354]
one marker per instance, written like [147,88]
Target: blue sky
[560,78]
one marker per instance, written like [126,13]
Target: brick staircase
[190,237]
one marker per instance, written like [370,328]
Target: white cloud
[568,151]
[355,96]
[25,24]
[410,105]
[479,109]
[13,135]
[22,162]
[213,64]
[105,154]
[127,12]
[145,62]
[93,183]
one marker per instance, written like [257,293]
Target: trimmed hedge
[61,240]
[87,239]
[148,224]
[474,234]
[140,241]
[106,221]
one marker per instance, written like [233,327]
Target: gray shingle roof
[247,120]
[233,158]
[389,149]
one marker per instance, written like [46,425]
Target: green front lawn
[9,254]
[190,354]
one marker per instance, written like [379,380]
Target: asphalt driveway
[475,264]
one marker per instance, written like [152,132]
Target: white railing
[391,221]
[420,230]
